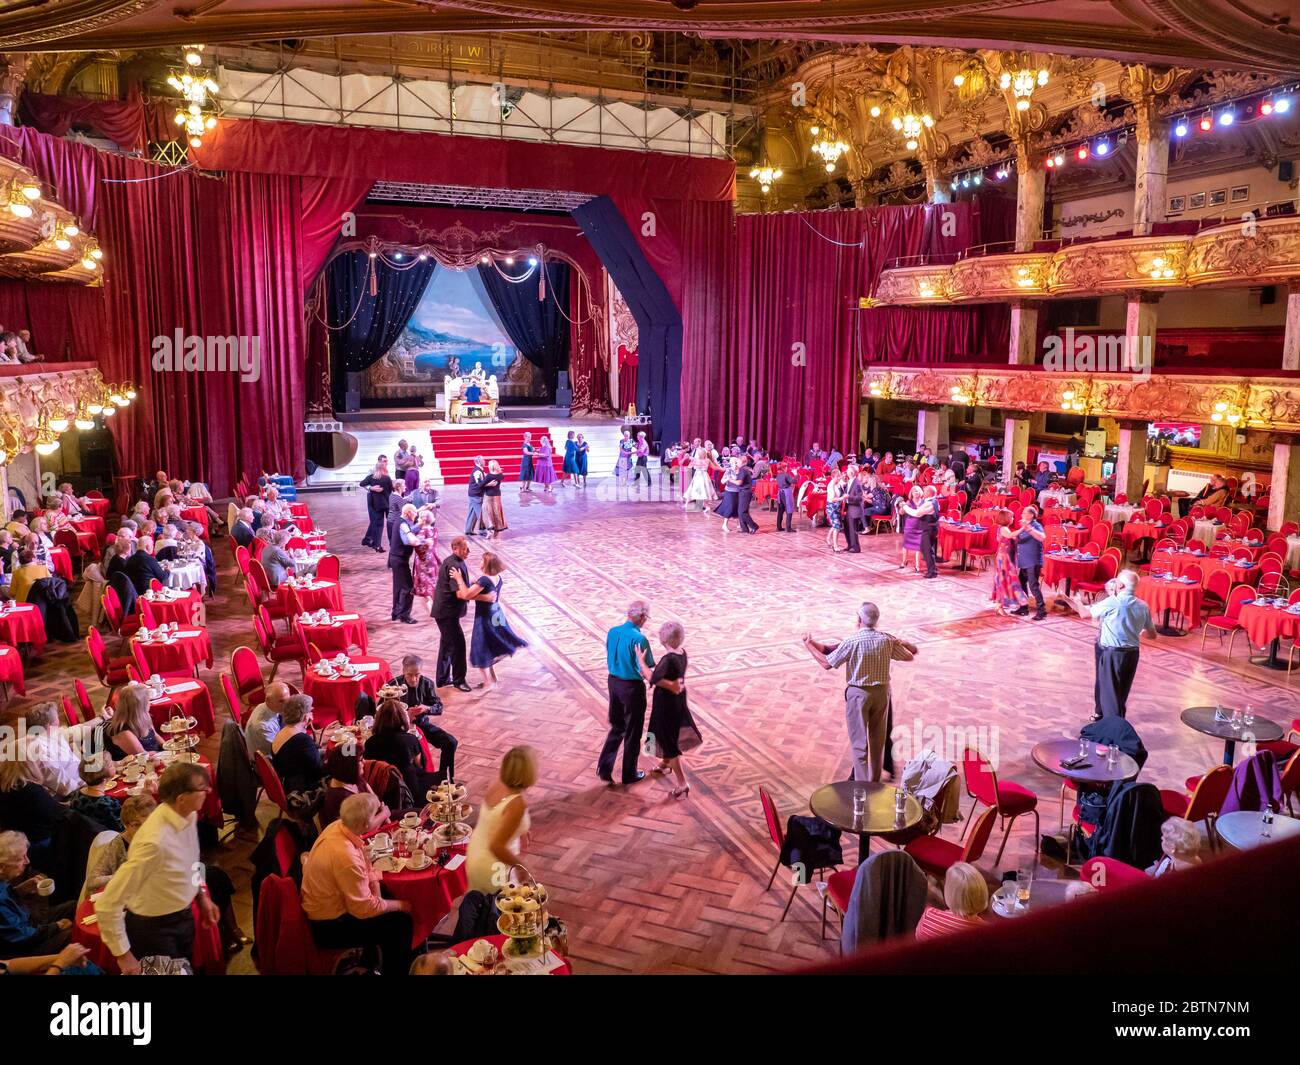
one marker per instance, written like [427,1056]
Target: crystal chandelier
[1022,84]
[197,88]
[828,147]
[910,126]
[765,176]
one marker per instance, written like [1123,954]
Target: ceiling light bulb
[1206,123]
[1103,147]
[47,447]
[71,229]
[875,111]
[109,410]
[32,190]
[1060,159]
[95,407]
[1180,130]
[1226,118]
[96,252]
[88,262]
[911,146]
[1082,153]
[1022,105]
[959,80]
[830,168]
[1282,106]
[21,208]
[83,421]
[62,243]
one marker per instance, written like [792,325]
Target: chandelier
[828,147]
[910,126]
[197,88]
[1022,84]
[765,176]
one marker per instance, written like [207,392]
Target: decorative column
[1015,444]
[13,72]
[928,421]
[937,190]
[1291,338]
[862,195]
[1284,492]
[1149,200]
[1131,463]
[1031,196]
[1140,319]
[1024,333]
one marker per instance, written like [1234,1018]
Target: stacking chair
[327,569]
[1229,621]
[1010,799]
[776,831]
[247,676]
[278,647]
[936,855]
[1207,795]
[112,672]
[1217,586]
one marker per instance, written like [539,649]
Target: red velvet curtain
[210,257]
[131,123]
[324,203]
[67,321]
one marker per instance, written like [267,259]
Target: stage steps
[456,449]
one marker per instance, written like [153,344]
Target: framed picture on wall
[1177,204]
[1218,197]
[1196,201]
[1239,193]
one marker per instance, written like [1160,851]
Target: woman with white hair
[22,933]
[1181,842]
[671,723]
[966,894]
[700,490]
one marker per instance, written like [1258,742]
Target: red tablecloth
[22,623]
[990,516]
[1263,624]
[188,610]
[351,632]
[211,812]
[184,698]
[1142,530]
[182,655]
[1060,515]
[431,892]
[61,562]
[209,957]
[764,489]
[896,485]
[814,502]
[11,669]
[97,507]
[1162,595]
[1058,569]
[996,499]
[335,697]
[93,524]
[1178,562]
[198,515]
[1072,536]
[498,942]
[87,542]
[322,595]
[953,538]
[1236,545]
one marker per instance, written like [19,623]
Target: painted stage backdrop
[453,327]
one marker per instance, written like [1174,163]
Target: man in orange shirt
[340,890]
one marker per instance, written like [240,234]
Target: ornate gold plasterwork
[1238,254]
[1265,403]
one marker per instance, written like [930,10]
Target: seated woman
[104,860]
[1181,842]
[966,895]
[29,571]
[92,802]
[392,741]
[164,547]
[297,759]
[346,777]
[27,806]
[130,730]
[23,932]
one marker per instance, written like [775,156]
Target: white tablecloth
[1206,531]
[1118,513]
[1293,552]
[185,575]
[1055,497]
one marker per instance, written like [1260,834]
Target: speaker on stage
[563,393]
[352,397]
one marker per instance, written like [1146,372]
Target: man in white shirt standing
[145,909]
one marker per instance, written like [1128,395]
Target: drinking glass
[1112,755]
[1083,746]
[859,802]
[1248,718]
[1024,882]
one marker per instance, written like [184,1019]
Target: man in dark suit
[853,510]
[422,701]
[396,502]
[447,610]
[401,546]
[785,486]
[745,499]
[243,530]
[141,568]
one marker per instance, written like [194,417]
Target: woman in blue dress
[526,464]
[580,458]
[492,639]
[623,467]
[570,466]
[545,465]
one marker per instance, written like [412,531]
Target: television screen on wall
[1180,434]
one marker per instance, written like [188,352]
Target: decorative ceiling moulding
[1226,256]
[1263,402]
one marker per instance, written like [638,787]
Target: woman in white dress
[700,490]
[502,823]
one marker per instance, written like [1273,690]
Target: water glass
[1266,824]
[1112,755]
[859,802]
[1024,883]
[1083,747]
[1248,718]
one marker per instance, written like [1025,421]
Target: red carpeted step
[456,449]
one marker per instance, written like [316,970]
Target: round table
[11,669]
[22,623]
[209,957]
[96,506]
[1060,515]
[163,608]
[814,502]
[185,575]
[1293,551]
[1050,753]
[959,536]
[1178,562]
[431,891]
[211,812]
[341,633]
[1202,719]
[318,595]
[1170,596]
[181,655]
[1071,536]
[1240,829]
[184,698]
[498,941]
[1235,545]
[833,803]
[996,500]
[1065,569]
[335,697]
[1265,626]
[1136,531]
[1118,513]
[1206,530]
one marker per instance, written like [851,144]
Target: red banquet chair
[1107,567]
[247,675]
[1289,528]
[265,595]
[1217,586]
[70,714]
[1229,620]
[1206,798]
[271,783]
[232,700]
[327,569]
[777,833]
[125,627]
[1010,799]
[112,672]
[86,707]
[1107,873]
[936,855]
[278,648]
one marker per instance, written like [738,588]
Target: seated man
[263,723]
[1043,478]
[142,567]
[422,701]
[473,393]
[244,530]
[340,890]
[275,559]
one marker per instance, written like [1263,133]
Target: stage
[648,883]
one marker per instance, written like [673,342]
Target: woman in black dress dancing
[671,723]
[492,639]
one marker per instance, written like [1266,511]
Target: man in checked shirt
[866,656]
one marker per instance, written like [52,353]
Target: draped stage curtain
[67,321]
[537,327]
[211,257]
[364,325]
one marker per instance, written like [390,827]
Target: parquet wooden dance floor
[648,883]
